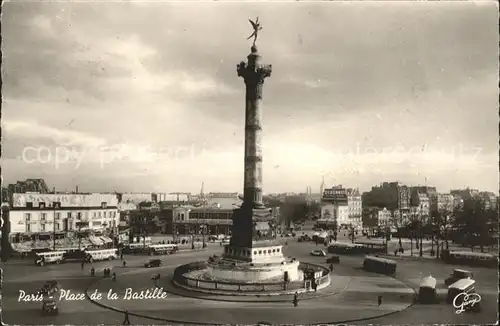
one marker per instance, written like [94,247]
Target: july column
[253,74]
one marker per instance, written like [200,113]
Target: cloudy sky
[145,96]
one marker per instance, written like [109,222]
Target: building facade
[39,213]
[431,193]
[384,217]
[342,215]
[196,221]
[334,207]
[224,200]
[355,204]
[445,203]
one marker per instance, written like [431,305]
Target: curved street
[358,298]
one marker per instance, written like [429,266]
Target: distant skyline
[144,96]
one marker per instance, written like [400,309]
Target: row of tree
[473,225]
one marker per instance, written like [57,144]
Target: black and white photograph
[249,162]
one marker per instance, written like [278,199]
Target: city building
[341,215]
[465,193]
[39,213]
[384,217]
[420,205]
[194,220]
[391,195]
[224,200]
[431,193]
[489,200]
[334,208]
[445,203]
[355,204]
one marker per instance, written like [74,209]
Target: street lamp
[203,231]
[55,206]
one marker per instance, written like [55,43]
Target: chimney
[76,191]
[54,189]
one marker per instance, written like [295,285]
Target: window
[28,216]
[100,214]
[28,228]
[68,214]
[41,205]
[104,213]
[56,205]
[58,216]
[94,214]
[104,204]
[57,226]
[79,215]
[42,227]
[43,216]
[29,204]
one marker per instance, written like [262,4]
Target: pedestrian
[92,271]
[331,267]
[295,299]
[83,264]
[124,264]
[379,300]
[126,321]
[114,277]
[121,255]
[395,252]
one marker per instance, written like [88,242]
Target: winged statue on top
[256,28]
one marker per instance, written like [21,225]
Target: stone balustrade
[321,276]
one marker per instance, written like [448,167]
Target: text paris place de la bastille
[68,295]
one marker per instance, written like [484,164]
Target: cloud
[152,88]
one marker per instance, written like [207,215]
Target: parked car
[334,259]
[458,274]
[153,263]
[318,253]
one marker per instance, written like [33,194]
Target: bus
[136,248]
[344,248]
[373,246]
[471,258]
[73,254]
[464,285]
[49,257]
[379,265]
[163,249]
[427,290]
[101,254]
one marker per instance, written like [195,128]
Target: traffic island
[197,277]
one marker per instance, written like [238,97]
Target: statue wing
[253,34]
[253,24]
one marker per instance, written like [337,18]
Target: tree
[476,223]
[439,225]
[313,208]
[293,211]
